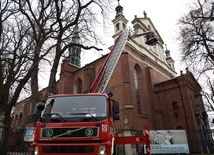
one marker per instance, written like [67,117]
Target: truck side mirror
[116,108]
[38,110]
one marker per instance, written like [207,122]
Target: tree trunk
[34,80]
[52,81]
[6,132]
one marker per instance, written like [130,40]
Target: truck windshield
[76,106]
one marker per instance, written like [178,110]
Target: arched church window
[16,117]
[20,118]
[124,26]
[137,91]
[78,86]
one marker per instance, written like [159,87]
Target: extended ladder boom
[106,71]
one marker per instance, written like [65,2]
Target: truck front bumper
[70,148]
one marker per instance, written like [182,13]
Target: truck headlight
[102,150]
[36,150]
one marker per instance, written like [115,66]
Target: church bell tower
[74,55]
[120,21]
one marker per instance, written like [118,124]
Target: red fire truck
[83,124]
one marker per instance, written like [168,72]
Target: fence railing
[23,148]
[16,144]
[200,141]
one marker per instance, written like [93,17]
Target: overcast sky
[163,13]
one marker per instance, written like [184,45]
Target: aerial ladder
[104,75]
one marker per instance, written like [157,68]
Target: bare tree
[37,14]
[16,68]
[197,42]
[4,14]
[54,22]
[36,30]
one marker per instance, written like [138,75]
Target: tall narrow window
[78,86]
[117,27]
[124,26]
[137,90]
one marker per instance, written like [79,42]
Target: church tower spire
[169,59]
[75,52]
[119,9]
[120,21]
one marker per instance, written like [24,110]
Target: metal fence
[200,141]
[16,144]
[22,149]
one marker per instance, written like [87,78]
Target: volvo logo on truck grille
[69,132]
[49,133]
[89,132]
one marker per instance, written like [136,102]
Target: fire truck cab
[75,124]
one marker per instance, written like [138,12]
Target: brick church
[144,82]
